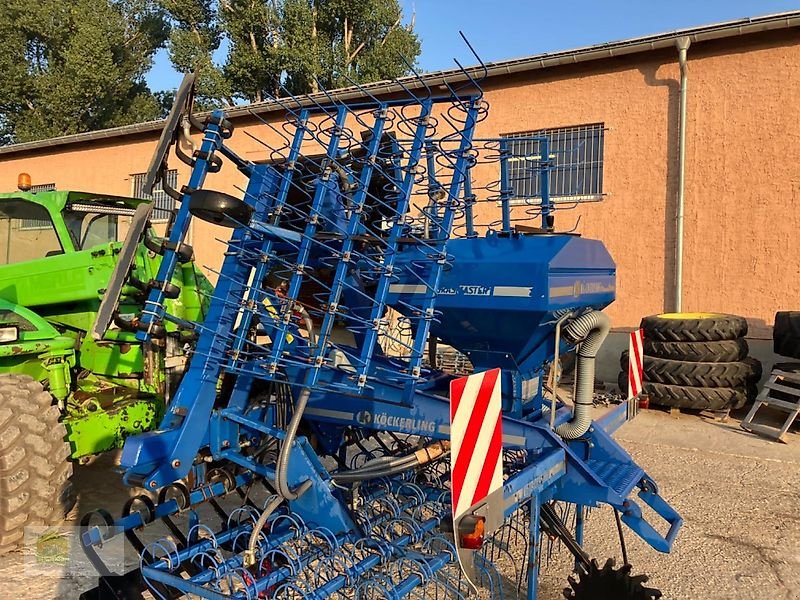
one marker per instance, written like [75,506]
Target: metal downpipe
[683,47]
[590,330]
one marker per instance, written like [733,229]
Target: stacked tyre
[786,334]
[696,361]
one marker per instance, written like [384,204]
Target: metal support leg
[533,558]
[579,523]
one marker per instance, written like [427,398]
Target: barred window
[38,223]
[576,171]
[163,205]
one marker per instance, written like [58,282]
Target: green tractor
[74,381]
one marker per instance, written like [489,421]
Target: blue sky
[500,29]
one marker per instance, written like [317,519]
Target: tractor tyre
[698,374]
[693,327]
[724,351]
[35,487]
[786,334]
[697,398]
[756,369]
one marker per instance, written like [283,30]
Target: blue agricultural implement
[310,419]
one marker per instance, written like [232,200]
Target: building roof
[704,33]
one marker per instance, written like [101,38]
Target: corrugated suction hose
[589,330]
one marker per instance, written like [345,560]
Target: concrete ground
[739,496]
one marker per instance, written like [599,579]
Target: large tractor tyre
[786,334]
[698,374]
[35,487]
[693,327]
[698,398]
[725,351]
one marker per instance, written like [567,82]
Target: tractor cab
[58,253]
[36,225]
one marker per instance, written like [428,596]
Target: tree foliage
[279,46]
[69,67]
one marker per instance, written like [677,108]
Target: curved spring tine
[235,518]
[193,534]
[296,523]
[168,546]
[375,588]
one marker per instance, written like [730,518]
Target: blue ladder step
[622,477]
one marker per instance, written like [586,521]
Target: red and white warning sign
[476,439]
[635,363]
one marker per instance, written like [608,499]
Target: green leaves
[69,67]
[279,46]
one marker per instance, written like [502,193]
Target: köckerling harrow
[360,472]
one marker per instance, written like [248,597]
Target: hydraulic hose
[387,466]
[250,553]
[589,330]
[281,475]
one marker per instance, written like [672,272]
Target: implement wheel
[608,583]
[693,327]
[219,208]
[34,470]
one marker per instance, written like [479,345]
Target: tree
[275,46]
[76,66]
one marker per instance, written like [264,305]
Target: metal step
[620,477]
[765,398]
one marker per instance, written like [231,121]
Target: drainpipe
[683,46]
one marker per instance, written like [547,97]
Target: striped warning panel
[476,439]
[635,363]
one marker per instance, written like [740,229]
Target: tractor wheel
[724,351]
[786,334]
[34,470]
[697,398]
[698,374]
[693,327]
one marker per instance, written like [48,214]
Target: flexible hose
[589,330]
[281,475]
[250,554]
[382,468]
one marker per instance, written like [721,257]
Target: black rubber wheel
[786,334]
[725,351]
[693,327]
[698,398]
[35,487]
[609,583]
[698,374]
[219,208]
[756,369]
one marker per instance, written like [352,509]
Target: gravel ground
[739,496]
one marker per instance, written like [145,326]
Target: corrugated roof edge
[716,31]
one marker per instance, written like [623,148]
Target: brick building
[614,111]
